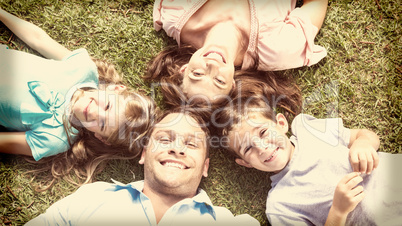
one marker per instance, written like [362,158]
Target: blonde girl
[70,107]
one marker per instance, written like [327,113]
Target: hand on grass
[363,157]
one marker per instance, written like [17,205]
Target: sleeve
[81,53]
[44,143]
[80,63]
[289,43]
[157,15]
[71,209]
[3,47]
[285,220]
[225,217]
[329,130]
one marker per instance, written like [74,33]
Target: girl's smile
[99,111]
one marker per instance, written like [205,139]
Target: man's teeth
[173,164]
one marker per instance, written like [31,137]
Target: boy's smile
[262,143]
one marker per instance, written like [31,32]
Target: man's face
[175,159]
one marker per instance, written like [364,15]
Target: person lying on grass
[219,40]
[175,160]
[325,174]
[69,111]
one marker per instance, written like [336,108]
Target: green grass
[360,80]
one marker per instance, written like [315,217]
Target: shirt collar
[200,198]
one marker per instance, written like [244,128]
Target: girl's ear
[243,163]
[99,137]
[183,68]
[282,122]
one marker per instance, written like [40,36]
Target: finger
[359,197]
[348,177]
[357,190]
[370,163]
[353,182]
[363,162]
[376,159]
[354,161]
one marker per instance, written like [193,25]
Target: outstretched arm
[363,147]
[14,143]
[317,10]
[34,36]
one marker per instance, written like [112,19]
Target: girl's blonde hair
[88,155]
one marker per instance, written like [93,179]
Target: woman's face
[208,75]
[100,111]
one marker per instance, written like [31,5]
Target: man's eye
[192,144]
[165,140]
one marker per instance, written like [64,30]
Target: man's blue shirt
[104,203]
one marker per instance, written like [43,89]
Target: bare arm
[34,36]
[14,143]
[317,10]
[365,135]
[363,147]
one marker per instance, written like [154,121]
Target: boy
[322,173]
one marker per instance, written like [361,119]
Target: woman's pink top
[282,35]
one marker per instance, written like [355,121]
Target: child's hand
[348,194]
[346,197]
[363,157]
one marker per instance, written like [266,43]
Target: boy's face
[262,143]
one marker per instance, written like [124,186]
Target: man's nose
[179,147]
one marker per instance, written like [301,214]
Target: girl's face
[262,143]
[100,111]
[207,75]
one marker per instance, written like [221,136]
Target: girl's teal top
[34,93]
